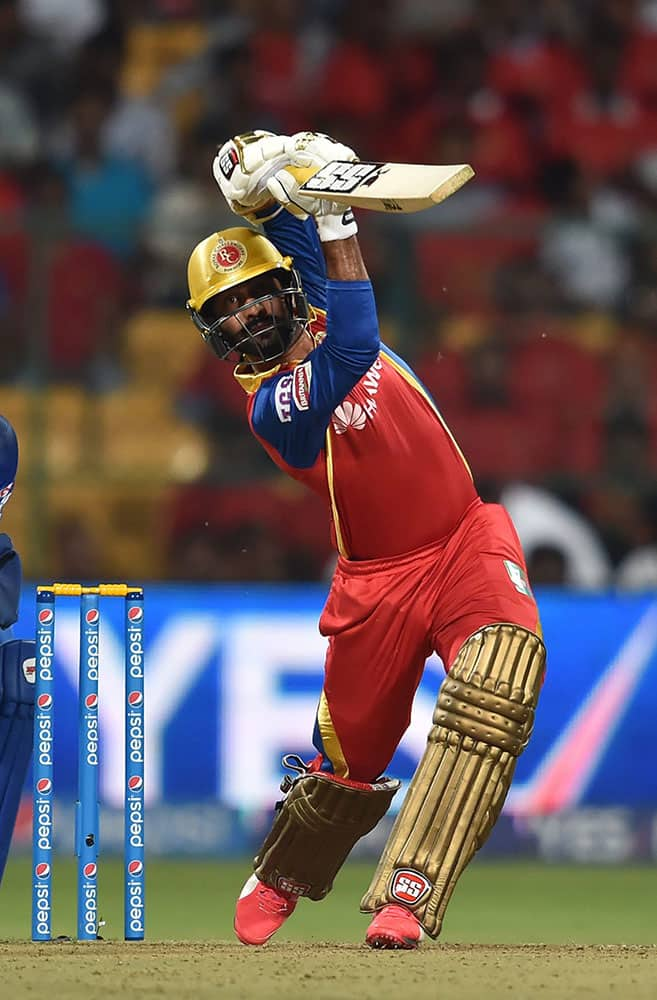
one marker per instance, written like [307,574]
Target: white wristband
[336,227]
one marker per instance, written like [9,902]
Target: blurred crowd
[527,303]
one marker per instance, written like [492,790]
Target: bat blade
[387,187]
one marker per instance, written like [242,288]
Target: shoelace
[272,902]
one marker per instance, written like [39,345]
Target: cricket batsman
[424,565]
[16,663]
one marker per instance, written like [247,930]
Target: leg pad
[482,722]
[316,827]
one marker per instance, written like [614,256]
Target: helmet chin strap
[313,336]
[314,339]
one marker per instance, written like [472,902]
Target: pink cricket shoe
[394,926]
[260,911]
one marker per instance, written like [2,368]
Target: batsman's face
[251,308]
[258,320]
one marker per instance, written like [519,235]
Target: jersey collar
[250,380]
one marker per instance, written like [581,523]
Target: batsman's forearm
[344,261]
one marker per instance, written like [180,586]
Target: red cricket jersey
[354,423]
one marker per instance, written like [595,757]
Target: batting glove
[307,153]
[242,168]
[320,147]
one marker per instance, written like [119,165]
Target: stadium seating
[153,48]
[142,438]
[160,347]
[457,270]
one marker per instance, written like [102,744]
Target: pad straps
[315,828]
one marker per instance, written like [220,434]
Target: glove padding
[320,147]
[306,153]
[242,168]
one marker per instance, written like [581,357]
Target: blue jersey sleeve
[298,239]
[292,410]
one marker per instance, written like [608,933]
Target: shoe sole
[390,943]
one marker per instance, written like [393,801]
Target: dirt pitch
[184,970]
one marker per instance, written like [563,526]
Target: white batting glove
[320,147]
[242,168]
[307,152]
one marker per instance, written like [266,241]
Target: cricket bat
[383,187]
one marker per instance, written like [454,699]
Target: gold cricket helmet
[267,312]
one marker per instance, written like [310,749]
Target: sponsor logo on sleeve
[301,385]
[283,399]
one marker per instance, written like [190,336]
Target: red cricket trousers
[384,618]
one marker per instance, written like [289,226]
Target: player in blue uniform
[423,563]
[16,663]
